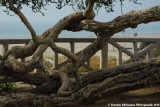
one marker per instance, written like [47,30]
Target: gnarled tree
[90,87]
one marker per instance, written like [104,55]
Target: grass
[112,61]
[94,62]
[7,86]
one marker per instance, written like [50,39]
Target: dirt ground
[146,97]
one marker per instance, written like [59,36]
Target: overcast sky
[16,29]
[53,15]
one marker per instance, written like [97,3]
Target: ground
[150,95]
[142,96]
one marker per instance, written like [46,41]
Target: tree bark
[96,85]
[92,86]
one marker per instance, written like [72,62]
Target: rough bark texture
[96,85]
[92,86]
[131,19]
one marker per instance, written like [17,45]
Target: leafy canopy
[38,5]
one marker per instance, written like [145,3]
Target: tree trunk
[96,85]
[92,86]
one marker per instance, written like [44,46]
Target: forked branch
[131,19]
[89,13]
[50,40]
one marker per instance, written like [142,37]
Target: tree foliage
[39,5]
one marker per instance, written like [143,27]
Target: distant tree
[60,89]
[135,34]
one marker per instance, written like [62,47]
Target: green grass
[7,86]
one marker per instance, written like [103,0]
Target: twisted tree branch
[23,18]
[131,19]
[111,81]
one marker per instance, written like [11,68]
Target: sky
[53,15]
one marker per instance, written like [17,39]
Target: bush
[7,86]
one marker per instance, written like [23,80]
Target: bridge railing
[132,51]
